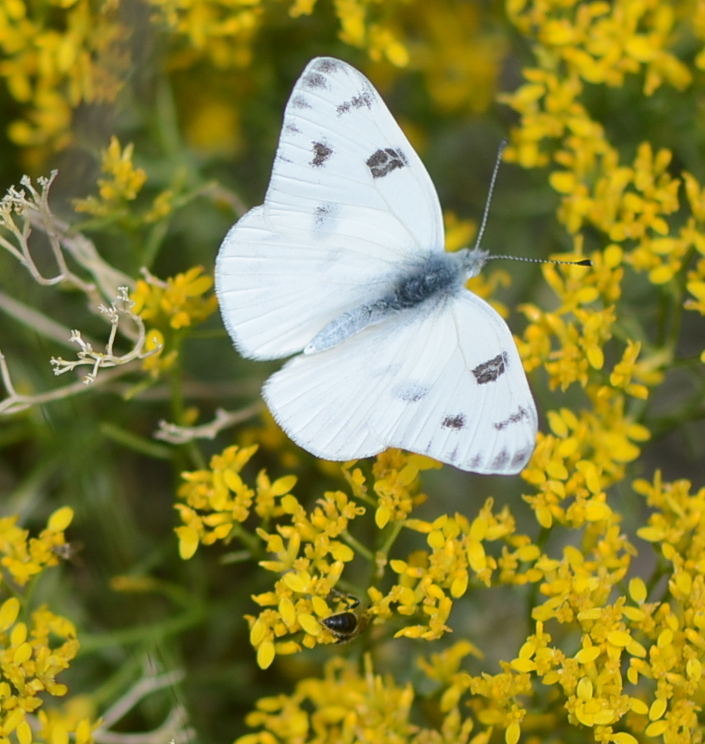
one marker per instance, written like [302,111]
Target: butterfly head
[472,261]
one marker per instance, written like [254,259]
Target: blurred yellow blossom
[34,646]
[343,705]
[122,185]
[25,556]
[76,718]
[459,51]
[56,56]
[177,302]
[218,29]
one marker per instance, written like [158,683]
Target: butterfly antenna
[584,262]
[497,161]
[500,150]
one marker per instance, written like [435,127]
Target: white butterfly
[345,262]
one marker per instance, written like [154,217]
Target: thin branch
[35,211]
[15,403]
[223,419]
[172,730]
[24,209]
[88,356]
[229,197]
[122,307]
[145,686]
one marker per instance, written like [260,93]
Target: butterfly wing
[349,203]
[446,382]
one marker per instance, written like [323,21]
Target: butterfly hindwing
[447,383]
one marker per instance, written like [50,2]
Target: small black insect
[346,625]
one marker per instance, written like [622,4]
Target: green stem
[136,443]
[252,542]
[154,632]
[357,546]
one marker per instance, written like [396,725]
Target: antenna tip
[586,262]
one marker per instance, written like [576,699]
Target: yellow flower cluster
[169,306]
[601,42]
[178,302]
[595,43]
[621,666]
[29,664]
[217,500]
[25,557]
[58,54]
[123,184]
[342,706]
[598,42]
[34,648]
[305,547]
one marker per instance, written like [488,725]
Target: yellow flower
[26,557]
[396,484]
[177,302]
[30,662]
[460,59]
[123,183]
[55,61]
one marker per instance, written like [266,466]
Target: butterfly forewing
[344,169]
[334,231]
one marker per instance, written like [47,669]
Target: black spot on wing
[383,162]
[519,415]
[314,80]
[412,392]
[501,460]
[520,457]
[364,99]
[291,128]
[299,102]
[328,65]
[492,369]
[324,216]
[321,153]
[455,421]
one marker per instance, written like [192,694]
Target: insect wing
[446,383]
[348,206]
